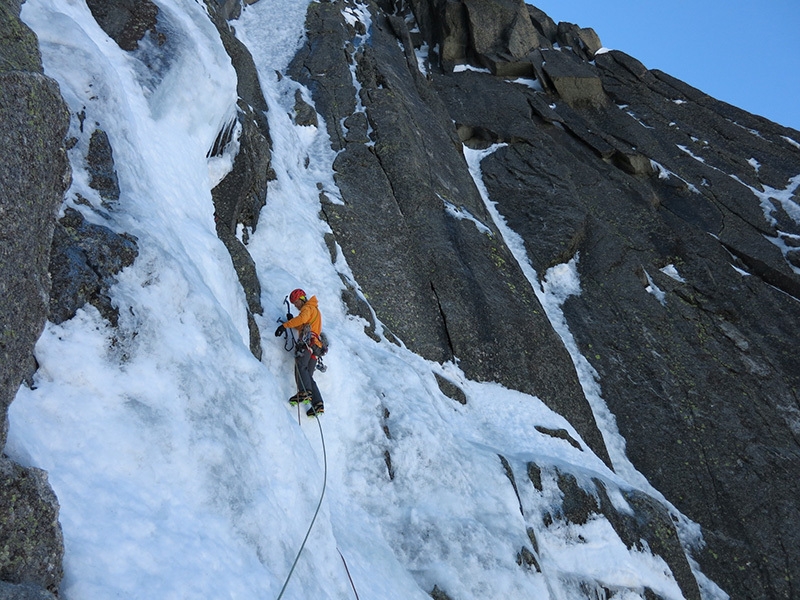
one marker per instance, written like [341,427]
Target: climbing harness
[306,340]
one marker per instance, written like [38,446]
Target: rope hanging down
[353,585]
[316,512]
[289,345]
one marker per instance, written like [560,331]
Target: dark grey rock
[239,197]
[230,9]
[561,434]
[31,543]
[84,261]
[510,474]
[19,50]
[100,165]
[535,475]
[583,41]
[651,522]
[527,558]
[328,78]
[490,33]
[357,306]
[486,110]
[357,128]
[543,24]
[576,81]
[577,505]
[500,28]
[648,522]
[305,114]
[34,174]
[33,177]
[450,389]
[125,21]
[703,384]
[452,27]
[438,594]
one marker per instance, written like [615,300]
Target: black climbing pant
[305,363]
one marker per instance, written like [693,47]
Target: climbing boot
[316,409]
[299,398]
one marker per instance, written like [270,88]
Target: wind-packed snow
[461,213]
[533,84]
[690,153]
[664,173]
[671,271]
[769,197]
[180,468]
[462,68]
[791,141]
[652,288]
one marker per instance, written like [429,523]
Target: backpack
[322,350]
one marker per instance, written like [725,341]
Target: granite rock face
[33,178]
[34,175]
[448,286]
[679,211]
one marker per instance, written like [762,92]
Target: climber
[309,326]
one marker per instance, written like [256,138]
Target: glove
[280,330]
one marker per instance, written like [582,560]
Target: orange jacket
[309,315]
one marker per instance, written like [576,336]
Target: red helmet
[296,295]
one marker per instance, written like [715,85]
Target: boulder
[576,81]
[583,41]
[501,27]
[546,27]
[452,27]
